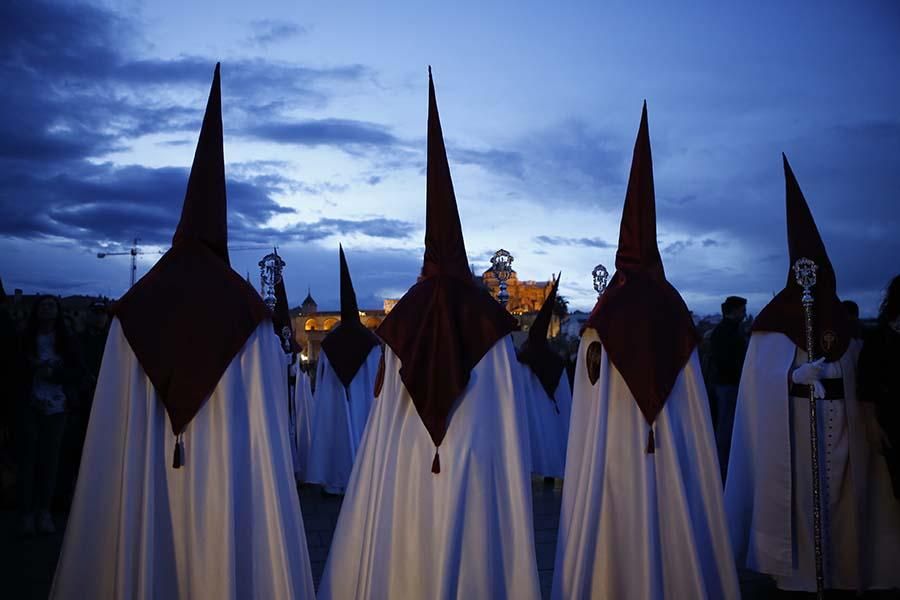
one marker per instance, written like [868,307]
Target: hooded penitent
[641,320]
[444,324]
[191,313]
[784,313]
[348,346]
[536,352]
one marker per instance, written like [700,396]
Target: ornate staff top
[501,266]
[805,276]
[601,279]
[270,268]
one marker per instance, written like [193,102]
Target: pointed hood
[281,320]
[546,364]
[642,321]
[445,250]
[349,307]
[350,343]
[444,324]
[203,214]
[192,291]
[2,293]
[638,250]
[784,313]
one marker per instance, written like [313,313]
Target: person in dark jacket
[52,375]
[879,383]
[728,345]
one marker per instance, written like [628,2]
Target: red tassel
[436,463]
[651,443]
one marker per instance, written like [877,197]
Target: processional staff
[805,276]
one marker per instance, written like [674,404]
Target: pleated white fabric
[338,421]
[637,525]
[227,525]
[302,420]
[548,424]
[465,532]
[769,489]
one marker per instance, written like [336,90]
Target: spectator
[728,344]
[52,373]
[852,310]
[879,382]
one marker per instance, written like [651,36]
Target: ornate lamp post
[501,265]
[601,279]
[270,268]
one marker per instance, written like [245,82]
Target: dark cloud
[500,162]
[555,240]
[341,133]
[268,31]
[74,93]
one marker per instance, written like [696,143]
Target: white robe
[302,423]
[338,421]
[637,525]
[548,429]
[466,532]
[769,488]
[225,525]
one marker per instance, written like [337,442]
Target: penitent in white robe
[637,525]
[226,525]
[302,422]
[338,422]
[466,532]
[768,493]
[548,424]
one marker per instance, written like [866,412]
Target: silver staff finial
[601,279]
[270,268]
[501,266]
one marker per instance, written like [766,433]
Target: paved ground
[27,566]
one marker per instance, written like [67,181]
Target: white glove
[810,374]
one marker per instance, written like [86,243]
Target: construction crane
[135,251]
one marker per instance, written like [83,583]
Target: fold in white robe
[226,525]
[338,421]
[637,525]
[548,428]
[302,421]
[769,488]
[466,532]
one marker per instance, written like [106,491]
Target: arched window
[310,325]
[331,324]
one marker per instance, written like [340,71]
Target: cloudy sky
[325,112]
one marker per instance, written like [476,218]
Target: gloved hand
[810,374]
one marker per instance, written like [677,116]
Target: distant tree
[561,307]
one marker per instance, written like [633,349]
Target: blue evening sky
[325,113]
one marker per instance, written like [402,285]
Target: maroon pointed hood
[175,317]
[784,313]
[642,321]
[536,352]
[281,320]
[445,324]
[203,214]
[348,346]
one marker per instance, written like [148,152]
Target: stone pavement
[27,566]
